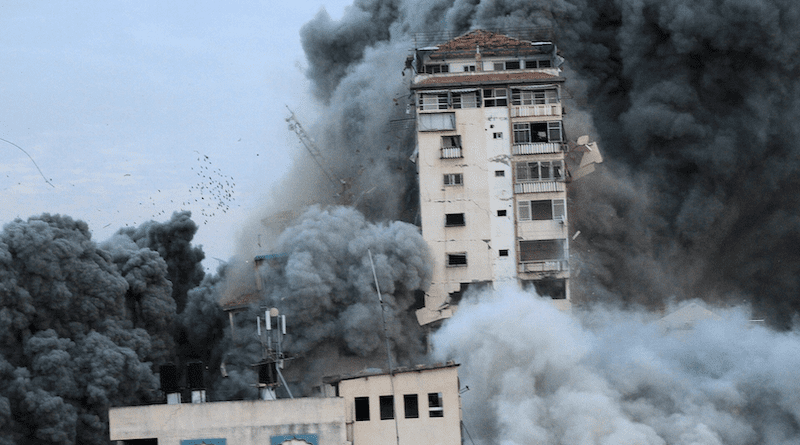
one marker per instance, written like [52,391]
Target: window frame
[411,400]
[454,220]
[362,408]
[435,405]
[538,250]
[528,132]
[495,97]
[453,179]
[457,259]
[539,171]
[386,404]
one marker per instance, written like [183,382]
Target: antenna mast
[269,368]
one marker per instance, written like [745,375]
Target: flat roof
[371,372]
[484,77]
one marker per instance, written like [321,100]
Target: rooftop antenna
[388,349]
[269,368]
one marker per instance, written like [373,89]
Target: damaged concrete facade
[492,174]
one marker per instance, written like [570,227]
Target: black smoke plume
[77,331]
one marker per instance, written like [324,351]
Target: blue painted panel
[278,440]
[204,442]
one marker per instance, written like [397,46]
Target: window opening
[527,132]
[540,171]
[498,135]
[451,141]
[453,179]
[501,213]
[436,121]
[542,250]
[454,219]
[362,409]
[433,101]
[435,69]
[503,252]
[435,406]
[466,100]
[534,97]
[456,259]
[495,97]
[387,407]
[499,173]
[411,405]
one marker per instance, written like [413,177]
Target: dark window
[499,172]
[435,407]
[434,69]
[451,141]
[501,213]
[541,250]
[469,67]
[411,403]
[540,171]
[362,408]
[495,97]
[553,288]
[512,65]
[387,407]
[528,132]
[454,219]
[456,259]
[498,135]
[453,179]
[541,210]
[503,252]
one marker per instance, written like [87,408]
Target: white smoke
[606,376]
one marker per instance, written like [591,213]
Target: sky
[132,110]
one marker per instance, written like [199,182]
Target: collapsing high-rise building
[491,160]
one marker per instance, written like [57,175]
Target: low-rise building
[410,406]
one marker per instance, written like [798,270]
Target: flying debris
[591,156]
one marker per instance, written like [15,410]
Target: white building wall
[241,423]
[445,430]
[497,133]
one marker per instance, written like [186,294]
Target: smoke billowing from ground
[538,375]
[325,286]
[694,104]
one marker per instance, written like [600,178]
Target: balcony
[536,110]
[451,153]
[539,187]
[544,266]
[536,148]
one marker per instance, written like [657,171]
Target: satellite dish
[274,312]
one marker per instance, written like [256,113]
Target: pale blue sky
[120,102]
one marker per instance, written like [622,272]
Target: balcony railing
[535,148]
[539,187]
[451,153]
[544,266]
[536,110]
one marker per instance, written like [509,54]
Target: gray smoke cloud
[325,286]
[694,105]
[540,375]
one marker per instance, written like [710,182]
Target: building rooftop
[491,44]
[370,372]
[482,78]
